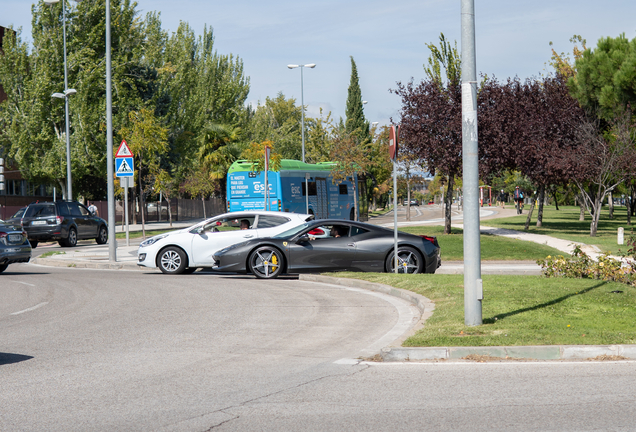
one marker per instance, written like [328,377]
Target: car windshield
[293,231]
[19,213]
[40,210]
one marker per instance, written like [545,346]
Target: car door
[83,229]
[91,222]
[323,254]
[218,234]
[370,249]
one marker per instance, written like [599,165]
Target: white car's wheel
[172,260]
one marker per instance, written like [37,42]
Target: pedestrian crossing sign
[124,167]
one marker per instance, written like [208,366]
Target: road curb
[426,307]
[548,352]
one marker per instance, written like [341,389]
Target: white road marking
[23,283]
[37,306]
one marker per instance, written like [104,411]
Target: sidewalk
[97,257]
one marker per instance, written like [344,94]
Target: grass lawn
[493,248]
[565,224]
[521,310]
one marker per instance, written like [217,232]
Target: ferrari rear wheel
[409,261]
[266,262]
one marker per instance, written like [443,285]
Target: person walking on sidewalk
[502,198]
[518,197]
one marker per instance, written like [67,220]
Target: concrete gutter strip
[52,262]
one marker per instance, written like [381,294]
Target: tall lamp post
[302,124]
[65,95]
[302,100]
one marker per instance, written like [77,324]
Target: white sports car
[183,251]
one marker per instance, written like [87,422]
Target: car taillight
[429,238]
[59,220]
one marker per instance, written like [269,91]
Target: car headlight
[152,240]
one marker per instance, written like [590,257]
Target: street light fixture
[65,95]
[302,100]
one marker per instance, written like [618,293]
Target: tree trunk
[581,201]
[169,211]
[596,216]
[530,214]
[203,202]
[448,207]
[355,201]
[610,203]
[629,208]
[134,205]
[141,207]
[408,200]
[556,202]
[540,211]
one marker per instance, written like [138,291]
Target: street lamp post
[302,100]
[65,95]
[302,124]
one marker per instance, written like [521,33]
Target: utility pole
[473,287]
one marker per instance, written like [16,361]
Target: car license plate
[41,222]
[15,237]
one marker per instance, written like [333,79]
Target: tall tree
[605,160]
[356,124]
[147,140]
[278,120]
[604,85]
[430,118]
[605,77]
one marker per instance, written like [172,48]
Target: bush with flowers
[579,265]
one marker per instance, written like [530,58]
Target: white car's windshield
[293,231]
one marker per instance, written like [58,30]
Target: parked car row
[62,221]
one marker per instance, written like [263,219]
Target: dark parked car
[351,246]
[64,221]
[16,218]
[14,246]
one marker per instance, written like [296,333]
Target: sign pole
[126,213]
[393,152]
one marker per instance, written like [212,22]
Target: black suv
[64,221]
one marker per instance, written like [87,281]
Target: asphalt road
[124,351]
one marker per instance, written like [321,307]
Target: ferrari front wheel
[266,262]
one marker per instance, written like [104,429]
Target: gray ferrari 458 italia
[330,245]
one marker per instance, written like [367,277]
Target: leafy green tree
[167,185]
[278,121]
[147,140]
[200,183]
[605,77]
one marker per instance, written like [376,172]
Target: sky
[387,40]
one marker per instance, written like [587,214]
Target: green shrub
[579,265]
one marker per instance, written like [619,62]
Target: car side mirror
[200,230]
[303,239]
